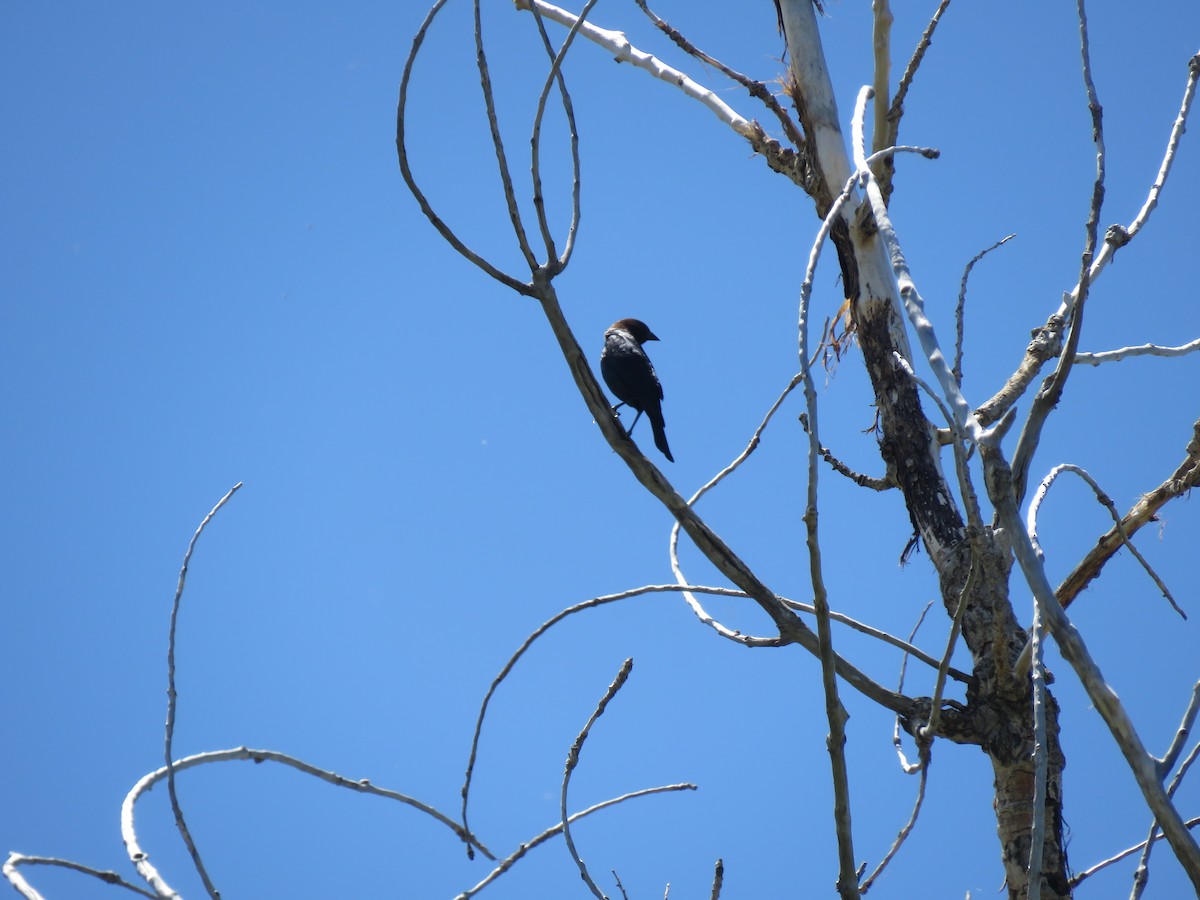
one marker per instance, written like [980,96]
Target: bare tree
[969,521]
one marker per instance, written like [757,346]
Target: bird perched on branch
[630,376]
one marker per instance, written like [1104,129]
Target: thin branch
[904,708]
[1185,477]
[905,766]
[508,862]
[896,111]
[512,661]
[176,809]
[923,770]
[881,42]
[862,480]
[141,859]
[1106,502]
[406,171]
[835,712]
[1047,340]
[718,880]
[27,891]
[553,262]
[573,761]
[756,89]
[622,50]
[962,302]
[1049,395]
[489,100]
[1095,359]
[620,886]
[1142,874]
[1164,169]
[1129,851]
[1181,733]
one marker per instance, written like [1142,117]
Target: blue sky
[213,273]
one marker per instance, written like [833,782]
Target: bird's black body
[630,376]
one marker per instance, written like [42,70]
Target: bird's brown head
[636,328]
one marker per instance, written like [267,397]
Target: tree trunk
[1000,708]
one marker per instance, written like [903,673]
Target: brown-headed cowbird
[630,376]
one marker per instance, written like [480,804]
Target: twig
[1181,733]
[1128,851]
[573,761]
[26,890]
[1185,477]
[1104,500]
[718,880]
[176,809]
[962,301]
[923,769]
[620,886]
[508,862]
[1095,359]
[1142,874]
[1164,169]
[896,111]
[905,766]
[862,480]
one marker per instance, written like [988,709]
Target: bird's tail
[660,434]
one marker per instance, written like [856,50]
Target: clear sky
[212,273]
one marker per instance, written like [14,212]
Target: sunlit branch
[1095,359]
[510,860]
[141,859]
[176,809]
[26,890]
[573,761]
[961,305]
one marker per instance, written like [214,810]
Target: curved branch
[550,832]
[141,859]
[555,263]
[573,761]
[26,890]
[1185,477]
[406,172]
[1095,359]
[176,809]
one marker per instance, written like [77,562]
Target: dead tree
[962,490]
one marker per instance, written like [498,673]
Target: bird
[630,376]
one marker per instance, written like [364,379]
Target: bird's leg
[635,421]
